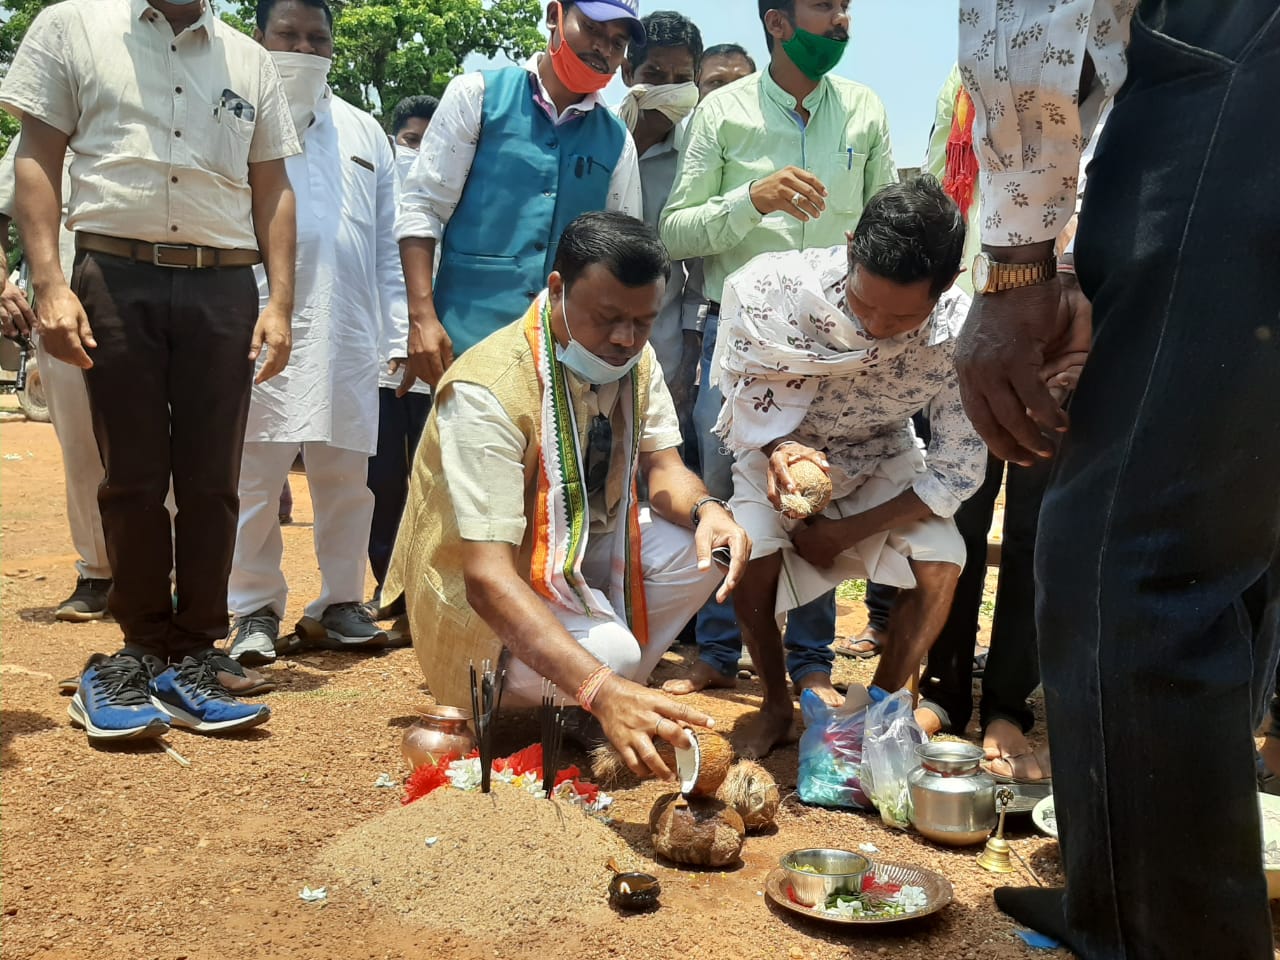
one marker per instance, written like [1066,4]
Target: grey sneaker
[254,641]
[350,625]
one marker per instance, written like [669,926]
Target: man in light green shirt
[783,159]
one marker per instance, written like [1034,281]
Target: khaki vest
[426,564]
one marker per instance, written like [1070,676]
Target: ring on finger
[796,198]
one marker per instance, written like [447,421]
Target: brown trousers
[169,395]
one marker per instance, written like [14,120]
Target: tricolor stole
[563,516]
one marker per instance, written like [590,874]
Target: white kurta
[349,291]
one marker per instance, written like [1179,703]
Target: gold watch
[992,276]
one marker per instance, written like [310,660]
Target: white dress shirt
[1020,60]
[434,185]
[349,292]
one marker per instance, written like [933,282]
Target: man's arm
[630,714]
[1024,74]
[275,225]
[430,195]
[674,490]
[64,327]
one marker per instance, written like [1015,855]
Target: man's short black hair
[786,6]
[666,28]
[628,247]
[266,6]
[908,232]
[729,50]
[423,106]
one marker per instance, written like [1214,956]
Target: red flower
[568,773]
[427,778]
[522,761]
[881,890]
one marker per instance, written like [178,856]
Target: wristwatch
[695,513]
[992,276]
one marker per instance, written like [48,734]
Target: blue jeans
[1164,510]
[811,628]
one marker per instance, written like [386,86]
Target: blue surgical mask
[586,364]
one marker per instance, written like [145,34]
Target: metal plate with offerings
[935,893]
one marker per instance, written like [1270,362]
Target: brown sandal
[848,647]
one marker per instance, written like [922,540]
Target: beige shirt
[482,453]
[163,127]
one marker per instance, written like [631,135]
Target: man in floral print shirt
[1163,514]
[825,355]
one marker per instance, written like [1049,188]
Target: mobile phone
[721,556]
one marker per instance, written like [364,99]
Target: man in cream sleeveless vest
[523,529]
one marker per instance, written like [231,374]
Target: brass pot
[437,731]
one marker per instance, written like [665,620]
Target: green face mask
[814,54]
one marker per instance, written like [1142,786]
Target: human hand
[795,192]
[717,528]
[64,326]
[273,330]
[16,315]
[1011,344]
[778,481]
[632,715]
[430,348]
[407,379]
[822,539]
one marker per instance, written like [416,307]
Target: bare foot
[929,721]
[759,734]
[1004,739]
[820,683]
[702,676]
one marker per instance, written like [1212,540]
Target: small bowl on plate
[816,873]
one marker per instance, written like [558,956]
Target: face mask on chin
[304,78]
[814,55]
[584,363]
[569,67]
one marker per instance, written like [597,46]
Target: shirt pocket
[224,149]
[842,174]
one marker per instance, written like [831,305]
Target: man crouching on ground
[825,358]
[523,529]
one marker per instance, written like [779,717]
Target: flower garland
[522,769]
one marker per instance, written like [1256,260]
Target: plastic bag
[889,756]
[830,756]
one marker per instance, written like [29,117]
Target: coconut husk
[701,831]
[751,791]
[715,752]
[813,489]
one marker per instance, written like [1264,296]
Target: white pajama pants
[343,508]
[674,590]
[81,463]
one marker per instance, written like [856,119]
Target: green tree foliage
[383,49]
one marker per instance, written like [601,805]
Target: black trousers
[1013,668]
[1165,508]
[169,396]
[400,424]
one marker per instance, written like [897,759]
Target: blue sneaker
[193,698]
[111,701]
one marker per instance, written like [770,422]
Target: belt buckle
[156,253]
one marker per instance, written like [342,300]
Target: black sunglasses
[599,450]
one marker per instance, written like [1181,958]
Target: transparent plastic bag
[831,756]
[889,756]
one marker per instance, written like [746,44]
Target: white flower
[464,774]
[384,780]
[314,896]
[912,899]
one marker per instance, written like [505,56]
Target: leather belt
[179,256]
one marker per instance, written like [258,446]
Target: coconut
[813,489]
[715,757]
[751,791]
[701,831]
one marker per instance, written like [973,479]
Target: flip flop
[980,663]
[1011,763]
[845,646]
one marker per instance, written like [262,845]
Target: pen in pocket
[851,158]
